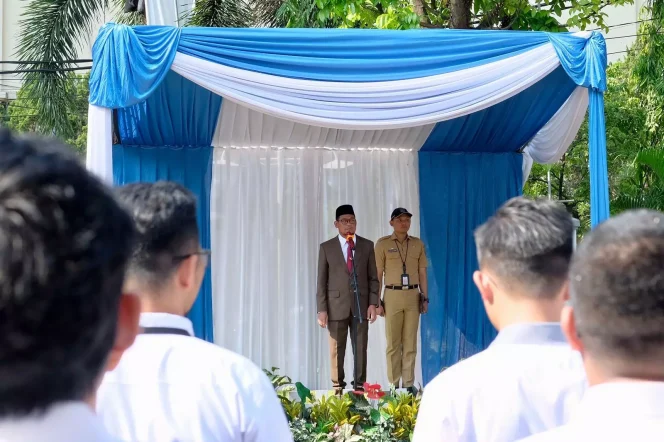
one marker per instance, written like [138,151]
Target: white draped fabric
[270,210]
[241,126]
[553,140]
[389,114]
[99,152]
[375,105]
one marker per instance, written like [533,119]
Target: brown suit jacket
[335,294]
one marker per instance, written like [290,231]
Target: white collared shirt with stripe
[528,381]
[170,388]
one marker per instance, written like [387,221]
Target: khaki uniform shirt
[390,255]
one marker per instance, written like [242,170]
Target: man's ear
[568,324]
[126,330]
[186,272]
[484,286]
[565,290]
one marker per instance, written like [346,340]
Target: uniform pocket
[333,293]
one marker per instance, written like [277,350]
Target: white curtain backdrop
[270,210]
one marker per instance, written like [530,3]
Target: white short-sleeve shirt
[171,387]
[614,412]
[62,422]
[528,381]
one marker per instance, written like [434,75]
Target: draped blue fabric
[174,145]
[190,121]
[599,175]
[585,62]
[458,192]
[190,167]
[506,126]
[354,54]
[130,63]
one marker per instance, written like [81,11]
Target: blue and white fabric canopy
[360,115]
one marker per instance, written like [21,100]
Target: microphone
[349,238]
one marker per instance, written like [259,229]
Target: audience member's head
[524,251]
[168,265]
[64,247]
[616,318]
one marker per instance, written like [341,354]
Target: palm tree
[48,58]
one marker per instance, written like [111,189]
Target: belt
[402,287]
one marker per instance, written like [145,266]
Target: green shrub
[372,417]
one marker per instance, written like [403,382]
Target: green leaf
[382,21]
[654,159]
[375,416]
[303,392]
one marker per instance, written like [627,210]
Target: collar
[394,237]
[637,398]
[543,333]
[70,421]
[343,241]
[166,320]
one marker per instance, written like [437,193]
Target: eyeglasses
[205,254]
[347,222]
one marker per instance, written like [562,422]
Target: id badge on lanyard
[405,279]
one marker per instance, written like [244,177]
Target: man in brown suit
[335,298]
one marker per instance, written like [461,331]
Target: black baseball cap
[400,211]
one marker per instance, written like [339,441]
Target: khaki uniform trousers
[402,319]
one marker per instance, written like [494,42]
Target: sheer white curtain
[270,210]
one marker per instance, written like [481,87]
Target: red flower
[373,391]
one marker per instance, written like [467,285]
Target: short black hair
[64,246]
[617,287]
[164,213]
[528,243]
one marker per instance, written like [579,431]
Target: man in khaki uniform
[401,263]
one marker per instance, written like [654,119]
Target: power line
[622,24]
[77,61]
[27,71]
[634,35]
[618,52]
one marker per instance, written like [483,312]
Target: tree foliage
[544,15]
[220,14]
[21,114]
[634,109]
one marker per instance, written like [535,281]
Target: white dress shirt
[344,246]
[614,412]
[170,388]
[64,422]
[528,381]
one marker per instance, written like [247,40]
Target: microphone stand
[357,317]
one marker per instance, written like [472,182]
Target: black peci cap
[346,209]
[400,211]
